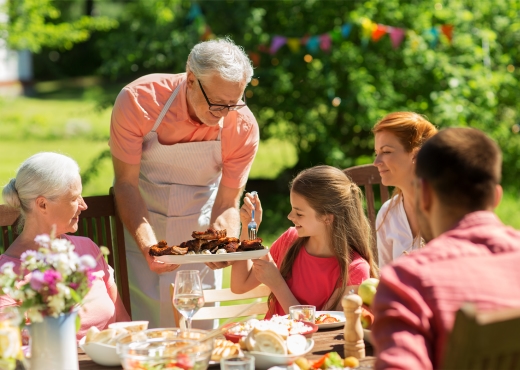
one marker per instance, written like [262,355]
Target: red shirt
[313,279]
[418,295]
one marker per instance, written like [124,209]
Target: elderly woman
[398,138]
[47,191]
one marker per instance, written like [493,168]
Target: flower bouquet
[51,282]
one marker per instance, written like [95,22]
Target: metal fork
[251,226]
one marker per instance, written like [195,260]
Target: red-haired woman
[398,138]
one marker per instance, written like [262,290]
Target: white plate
[267,360]
[337,314]
[196,258]
[100,353]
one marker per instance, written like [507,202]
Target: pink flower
[51,277]
[37,280]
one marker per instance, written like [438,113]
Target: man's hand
[158,267]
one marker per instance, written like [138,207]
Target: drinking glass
[187,296]
[303,313]
[238,363]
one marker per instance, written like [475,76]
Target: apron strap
[165,108]
[219,131]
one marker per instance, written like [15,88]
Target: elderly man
[471,256]
[182,146]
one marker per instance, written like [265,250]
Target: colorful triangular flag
[277,43]
[255,58]
[345,30]
[313,44]
[325,42]
[294,44]
[397,36]
[335,35]
[434,32]
[447,30]
[378,32]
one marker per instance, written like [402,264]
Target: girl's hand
[250,202]
[267,272]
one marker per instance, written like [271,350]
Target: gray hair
[220,56]
[44,174]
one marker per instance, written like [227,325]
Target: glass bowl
[165,348]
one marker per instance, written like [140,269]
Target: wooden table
[324,341]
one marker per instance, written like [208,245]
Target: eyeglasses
[220,107]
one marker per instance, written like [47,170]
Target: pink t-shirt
[313,279]
[139,104]
[98,308]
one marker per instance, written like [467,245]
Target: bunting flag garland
[313,44]
[345,30]
[396,36]
[370,31]
[378,32]
[434,32]
[255,58]
[447,30]
[277,43]
[325,42]
[294,44]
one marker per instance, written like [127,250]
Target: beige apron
[179,184]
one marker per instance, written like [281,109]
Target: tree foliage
[33,24]
[463,83]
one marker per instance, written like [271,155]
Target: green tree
[471,81]
[34,24]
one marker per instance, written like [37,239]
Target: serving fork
[252,226]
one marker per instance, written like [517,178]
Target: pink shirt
[98,308]
[418,295]
[139,104]
[313,279]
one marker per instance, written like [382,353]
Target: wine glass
[187,296]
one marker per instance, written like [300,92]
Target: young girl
[328,249]
[398,138]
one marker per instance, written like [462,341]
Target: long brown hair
[412,130]
[329,191]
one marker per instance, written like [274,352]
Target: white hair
[44,174]
[220,56]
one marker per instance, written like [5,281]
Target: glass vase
[53,343]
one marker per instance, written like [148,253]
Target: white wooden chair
[225,312]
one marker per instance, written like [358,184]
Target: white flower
[7,269]
[34,315]
[61,246]
[17,295]
[87,261]
[57,302]
[31,260]
[63,290]
[44,240]
[29,293]
[63,264]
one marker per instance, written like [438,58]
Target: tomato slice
[329,320]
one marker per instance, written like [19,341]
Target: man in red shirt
[470,256]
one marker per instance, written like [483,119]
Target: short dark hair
[463,166]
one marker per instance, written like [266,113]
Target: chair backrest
[484,340]
[100,222]
[224,312]
[366,176]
